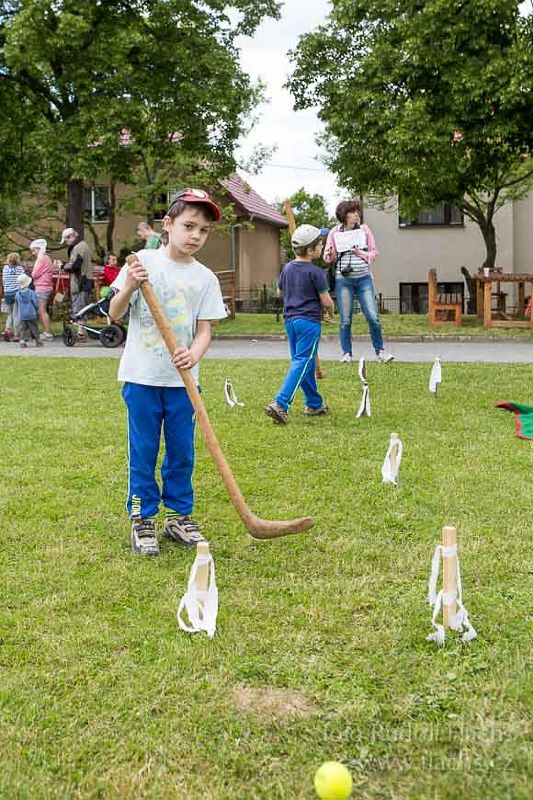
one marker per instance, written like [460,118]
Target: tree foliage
[119,88]
[308,209]
[432,101]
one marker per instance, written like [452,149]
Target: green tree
[100,87]
[432,101]
[307,209]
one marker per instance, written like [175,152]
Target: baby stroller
[112,334]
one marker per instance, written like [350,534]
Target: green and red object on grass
[523,418]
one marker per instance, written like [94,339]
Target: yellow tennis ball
[333,781]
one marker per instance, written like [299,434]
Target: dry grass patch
[272,702]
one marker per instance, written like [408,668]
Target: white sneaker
[47,337]
[385,357]
[346,358]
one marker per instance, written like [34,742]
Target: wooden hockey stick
[257,527]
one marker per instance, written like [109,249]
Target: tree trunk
[75,205]
[481,211]
[111,216]
[489,237]
[99,249]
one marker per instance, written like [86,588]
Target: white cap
[305,235]
[67,232]
[39,244]
[24,280]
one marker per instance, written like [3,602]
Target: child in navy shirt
[305,292]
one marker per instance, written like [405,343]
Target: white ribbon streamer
[391,467]
[201,606]
[364,407]
[231,398]
[362,370]
[459,621]
[436,376]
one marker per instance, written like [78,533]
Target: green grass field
[415,325]
[320,652]
[393,325]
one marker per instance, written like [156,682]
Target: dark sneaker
[277,413]
[143,537]
[183,530]
[316,412]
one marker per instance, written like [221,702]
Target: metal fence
[262,300]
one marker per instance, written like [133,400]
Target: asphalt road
[505,351]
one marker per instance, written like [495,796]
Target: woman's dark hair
[345,208]
[179,206]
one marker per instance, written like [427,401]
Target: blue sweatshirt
[28,304]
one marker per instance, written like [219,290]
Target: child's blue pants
[151,408]
[304,336]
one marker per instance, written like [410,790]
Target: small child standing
[10,273]
[305,291]
[111,269]
[153,390]
[28,311]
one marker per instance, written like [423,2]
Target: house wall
[523,234]
[258,249]
[406,254]
[216,253]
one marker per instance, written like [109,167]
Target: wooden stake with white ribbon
[393,457]
[449,598]
[436,376]
[201,598]
[364,406]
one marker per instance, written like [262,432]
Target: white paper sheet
[346,240]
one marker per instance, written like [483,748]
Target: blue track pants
[304,337]
[150,409]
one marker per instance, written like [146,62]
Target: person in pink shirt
[43,281]
[351,248]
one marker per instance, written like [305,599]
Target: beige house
[251,248]
[443,239]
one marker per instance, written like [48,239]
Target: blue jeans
[150,410]
[346,289]
[304,336]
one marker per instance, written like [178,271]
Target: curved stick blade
[275,529]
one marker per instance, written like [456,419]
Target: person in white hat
[43,280]
[305,291]
[80,268]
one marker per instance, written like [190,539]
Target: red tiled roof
[254,205]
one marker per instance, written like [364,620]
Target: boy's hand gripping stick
[257,527]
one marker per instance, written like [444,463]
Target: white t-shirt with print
[187,292]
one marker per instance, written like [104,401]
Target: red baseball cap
[197,196]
